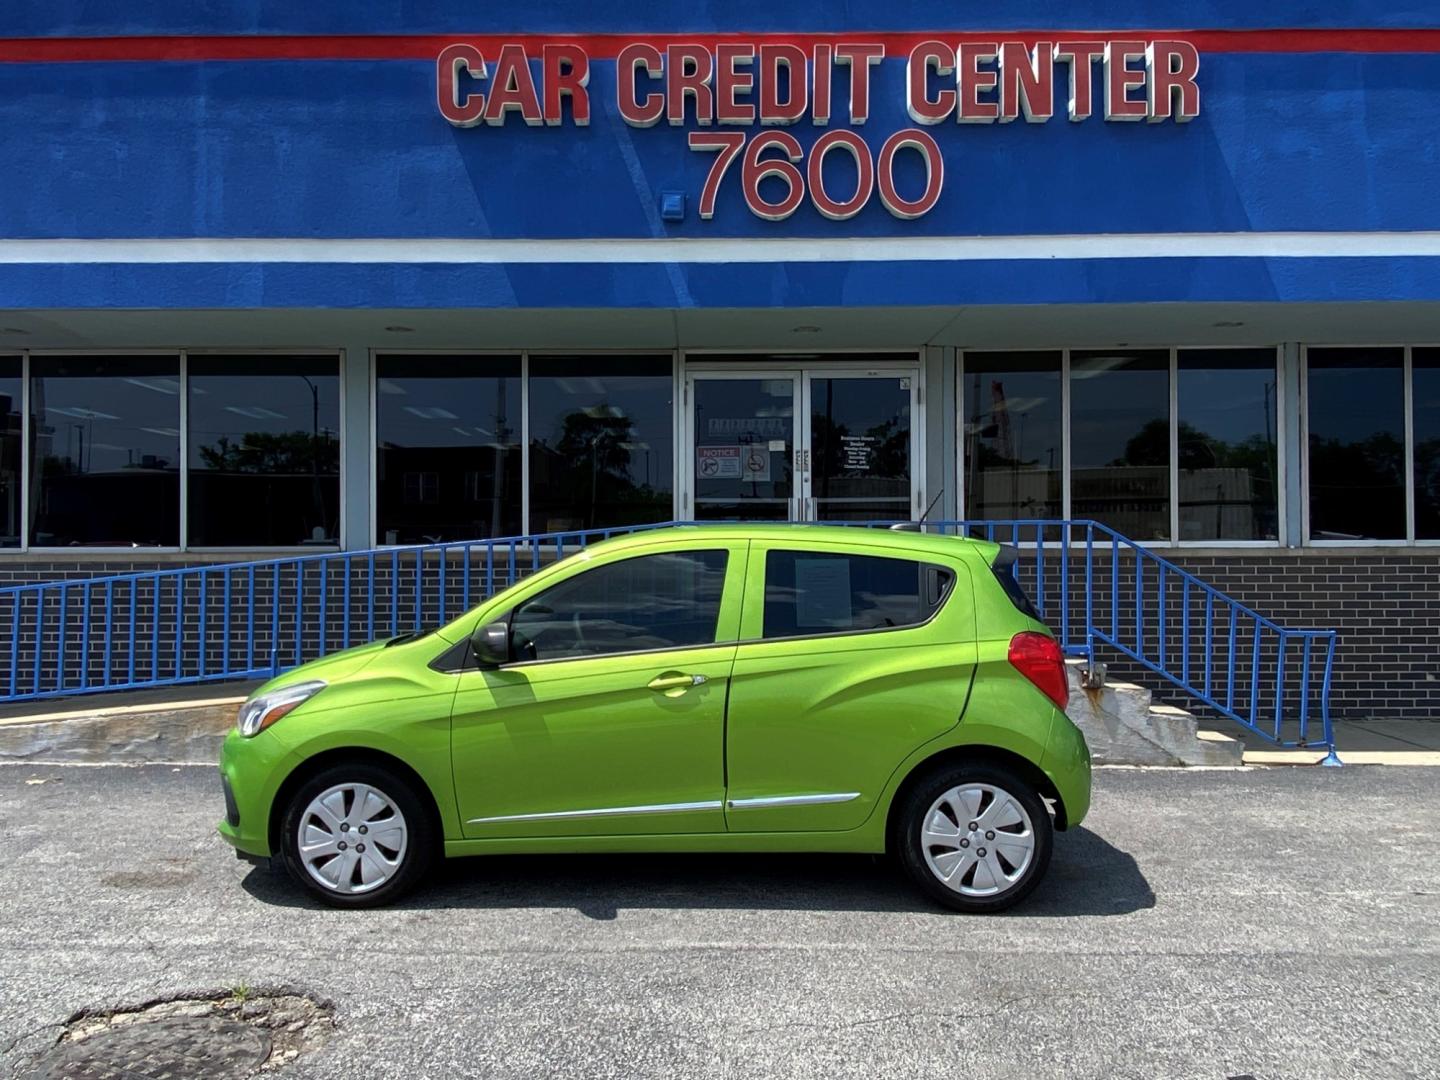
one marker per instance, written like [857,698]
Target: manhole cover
[193,1047]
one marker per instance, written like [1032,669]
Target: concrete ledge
[174,732]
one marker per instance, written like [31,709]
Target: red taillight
[1039,659]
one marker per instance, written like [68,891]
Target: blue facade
[1292,136]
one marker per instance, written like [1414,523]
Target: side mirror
[491,644]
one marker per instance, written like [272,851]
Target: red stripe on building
[605,46]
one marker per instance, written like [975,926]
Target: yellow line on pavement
[1349,757]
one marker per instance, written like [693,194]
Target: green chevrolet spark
[712,688]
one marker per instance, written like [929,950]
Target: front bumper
[251,771]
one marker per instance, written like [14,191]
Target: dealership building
[273,281]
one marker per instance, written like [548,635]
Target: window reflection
[860,432]
[10,428]
[666,601]
[1120,440]
[1425,394]
[815,592]
[105,433]
[448,448]
[264,464]
[1226,400]
[1013,435]
[601,441]
[1357,443]
[740,423]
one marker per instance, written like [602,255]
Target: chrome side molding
[792,800]
[604,811]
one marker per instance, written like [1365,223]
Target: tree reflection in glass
[601,448]
[1226,441]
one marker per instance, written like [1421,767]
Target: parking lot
[1270,923]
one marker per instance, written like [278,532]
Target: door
[803,444]
[851,658]
[743,446]
[611,718]
[861,447]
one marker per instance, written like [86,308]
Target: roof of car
[901,540]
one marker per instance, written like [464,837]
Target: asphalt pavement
[1262,923]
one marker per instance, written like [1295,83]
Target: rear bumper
[1067,763]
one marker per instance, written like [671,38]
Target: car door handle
[676,682]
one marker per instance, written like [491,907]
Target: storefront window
[105,433]
[1013,435]
[1357,443]
[1425,394]
[601,441]
[1226,401]
[10,428]
[1120,440]
[447,459]
[264,465]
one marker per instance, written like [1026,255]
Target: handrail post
[1090,595]
[1331,759]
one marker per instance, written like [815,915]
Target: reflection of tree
[1151,446]
[596,444]
[595,453]
[1350,480]
[262,452]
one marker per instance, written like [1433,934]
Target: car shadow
[1088,876]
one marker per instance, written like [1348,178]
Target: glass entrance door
[742,434]
[805,444]
[861,447]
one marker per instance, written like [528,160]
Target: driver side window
[669,600]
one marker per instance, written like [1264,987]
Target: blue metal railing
[197,624]
[247,620]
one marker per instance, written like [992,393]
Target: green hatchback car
[687,689]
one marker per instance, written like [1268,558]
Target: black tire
[410,863]
[912,819]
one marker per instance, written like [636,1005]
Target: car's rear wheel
[976,838]
[357,835]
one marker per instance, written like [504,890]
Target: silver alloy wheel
[978,840]
[352,838]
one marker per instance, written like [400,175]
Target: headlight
[259,713]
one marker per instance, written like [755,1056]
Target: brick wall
[1385,604]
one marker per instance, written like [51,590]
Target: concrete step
[1123,725]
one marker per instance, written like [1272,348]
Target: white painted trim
[568,251]
[1173,375]
[27,454]
[1409,462]
[184,527]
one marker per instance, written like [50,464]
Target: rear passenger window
[814,592]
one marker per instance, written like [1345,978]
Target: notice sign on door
[717,462]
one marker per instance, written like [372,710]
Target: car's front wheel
[356,835]
[976,838]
